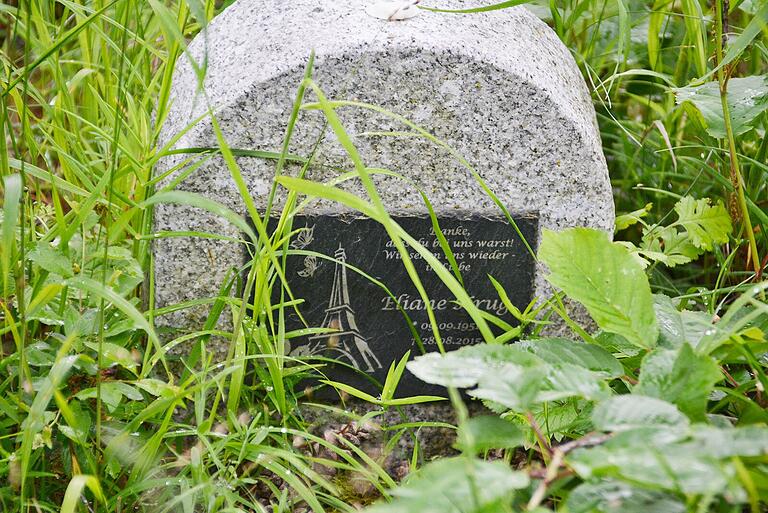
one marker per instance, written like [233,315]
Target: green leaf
[80,425]
[112,393]
[653,458]
[698,462]
[157,387]
[705,224]
[748,441]
[618,497]
[676,328]
[560,419]
[508,375]
[456,485]
[669,246]
[12,187]
[631,411]
[624,221]
[115,355]
[560,350]
[52,260]
[515,387]
[75,489]
[464,367]
[199,201]
[488,432]
[681,377]
[98,290]
[747,99]
[605,278]
[567,380]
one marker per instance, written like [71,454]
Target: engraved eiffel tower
[346,339]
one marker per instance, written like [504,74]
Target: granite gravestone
[498,87]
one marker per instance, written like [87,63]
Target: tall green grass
[98,413]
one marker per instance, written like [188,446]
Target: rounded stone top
[254,41]
[498,88]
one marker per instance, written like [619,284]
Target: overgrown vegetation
[663,409]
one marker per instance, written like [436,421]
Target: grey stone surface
[498,87]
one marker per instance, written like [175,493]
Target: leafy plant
[700,226]
[659,418]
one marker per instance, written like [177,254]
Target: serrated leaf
[51,259]
[747,99]
[561,419]
[566,380]
[114,355]
[488,432]
[560,350]
[605,278]
[747,441]
[509,375]
[681,377]
[618,497]
[631,411]
[456,485]
[516,388]
[669,246]
[464,367]
[699,462]
[705,224]
[654,459]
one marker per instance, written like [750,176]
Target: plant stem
[735,173]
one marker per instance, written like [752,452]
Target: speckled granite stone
[498,87]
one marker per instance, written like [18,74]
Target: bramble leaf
[617,497]
[605,278]
[51,260]
[560,350]
[509,375]
[630,411]
[681,377]
[456,485]
[488,432]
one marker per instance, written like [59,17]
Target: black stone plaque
[371,330]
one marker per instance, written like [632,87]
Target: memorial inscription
[353,284]
[497,88]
